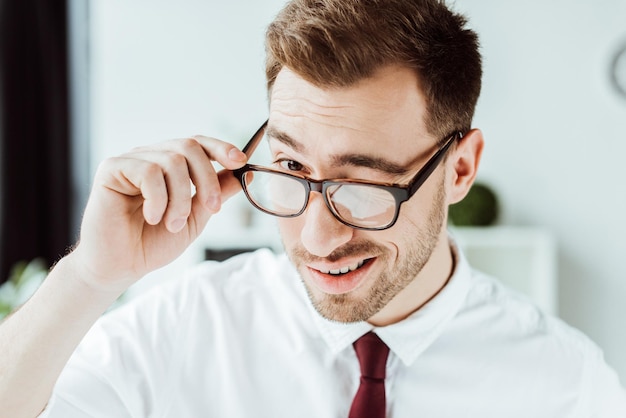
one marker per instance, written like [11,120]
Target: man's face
[377,128]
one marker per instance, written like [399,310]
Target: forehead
[383,115]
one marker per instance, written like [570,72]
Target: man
[370,138]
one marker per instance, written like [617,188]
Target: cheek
[413,215]
[423,216]
[428,203]
[289,229]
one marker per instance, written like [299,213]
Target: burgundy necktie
[369,401]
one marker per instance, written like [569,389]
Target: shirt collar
[408,338]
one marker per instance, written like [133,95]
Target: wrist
[83,280]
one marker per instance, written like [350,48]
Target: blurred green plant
[24,279]
[479,208]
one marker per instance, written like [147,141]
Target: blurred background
[83,80]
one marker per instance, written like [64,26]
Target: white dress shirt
[241,339]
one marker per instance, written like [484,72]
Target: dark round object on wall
[478,208]
[618,70]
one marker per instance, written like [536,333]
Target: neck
[425,286]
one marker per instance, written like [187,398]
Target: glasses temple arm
[249,148]
[432,164]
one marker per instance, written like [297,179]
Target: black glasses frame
[401,193]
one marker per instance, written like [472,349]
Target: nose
[322,233]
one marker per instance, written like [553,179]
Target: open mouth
[346,269]
[341,280]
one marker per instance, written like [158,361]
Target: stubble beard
[391,281]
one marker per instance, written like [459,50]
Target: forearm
[37,340]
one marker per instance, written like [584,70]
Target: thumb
[229,184]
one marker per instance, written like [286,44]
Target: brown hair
[335,43]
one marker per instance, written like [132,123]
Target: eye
[290,165]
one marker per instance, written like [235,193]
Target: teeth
[345,269]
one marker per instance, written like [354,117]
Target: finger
[179,193]
[154,192]
[183,162]
[229,184]
[202,173]
[227,155]
[130,177]
[174,170]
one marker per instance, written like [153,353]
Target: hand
[142,213]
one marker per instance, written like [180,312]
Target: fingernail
[236,155]
[177,224]
[214,203]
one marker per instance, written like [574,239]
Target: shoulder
[523,337]
[213,301]
[262,275]
[211,287]
[510,339]
[512,314]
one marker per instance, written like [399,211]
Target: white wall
[555,131]
[556,137]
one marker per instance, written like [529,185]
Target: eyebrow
[355,160]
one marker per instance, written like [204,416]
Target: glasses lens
[275,193]
[362,205]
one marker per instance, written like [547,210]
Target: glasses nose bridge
[319,186]
[316,185]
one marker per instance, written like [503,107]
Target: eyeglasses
[357,203]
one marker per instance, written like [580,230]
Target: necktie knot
[372,353]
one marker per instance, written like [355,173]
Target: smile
[343,279]
[345,269]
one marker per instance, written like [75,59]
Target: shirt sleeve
[93,400]
[122,367]
[84,389]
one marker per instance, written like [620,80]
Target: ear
[463,165]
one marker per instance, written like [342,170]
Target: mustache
[349,249]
